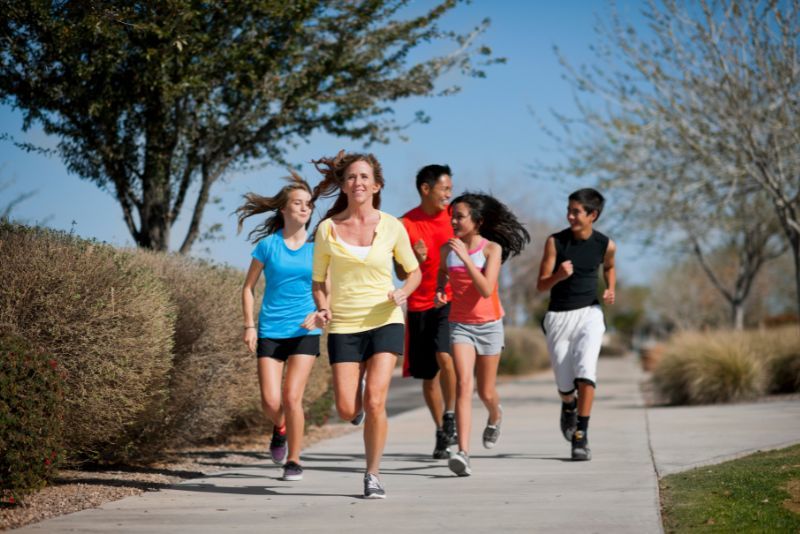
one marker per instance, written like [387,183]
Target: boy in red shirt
[427,354]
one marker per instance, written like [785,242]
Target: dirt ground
[76,490]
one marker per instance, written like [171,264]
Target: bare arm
[248,300]
[442,278]
[401,294]
[320,318]
[548,278]
[610,273]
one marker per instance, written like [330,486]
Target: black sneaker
[373,489]
[449,428]
[441,452]
[569,421]
[277,447]
[292,471]
[580,446]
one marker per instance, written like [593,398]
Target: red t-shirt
[435,231]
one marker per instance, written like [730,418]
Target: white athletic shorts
[574,338]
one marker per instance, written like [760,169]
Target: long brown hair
[255,204]
[333,176]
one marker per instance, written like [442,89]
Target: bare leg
[346,388]
[433,398]
[486,371]
[270,372]
[585,399]
[464,359]
[447,379]
[298,369]
[379,374]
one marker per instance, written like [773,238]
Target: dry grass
[726,366]
[108,323]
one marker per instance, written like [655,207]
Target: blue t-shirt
[287,290]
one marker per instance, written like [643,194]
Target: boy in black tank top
[574,322]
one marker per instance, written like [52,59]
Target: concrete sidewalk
[525,484]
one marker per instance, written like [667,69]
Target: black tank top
[580,289]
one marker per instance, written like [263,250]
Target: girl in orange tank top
[487,233]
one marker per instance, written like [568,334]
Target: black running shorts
[281,349]
[360,346]
[428,333]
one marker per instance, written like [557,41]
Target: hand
[459,247]
[440,299]
[317,319]
[608,296]
[250,339]
[421,250]
[564,270]
[398,296]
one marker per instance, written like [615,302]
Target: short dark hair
[430,174]
[590,199]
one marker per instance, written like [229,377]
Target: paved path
[525,484]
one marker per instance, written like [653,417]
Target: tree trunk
[738,315]
[796,254]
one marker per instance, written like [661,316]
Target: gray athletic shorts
[488,338]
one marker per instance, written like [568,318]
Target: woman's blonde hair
[255,204]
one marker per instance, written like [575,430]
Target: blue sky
[486,133]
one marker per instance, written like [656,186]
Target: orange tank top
[468,306]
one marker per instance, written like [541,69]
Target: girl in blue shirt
[285,256]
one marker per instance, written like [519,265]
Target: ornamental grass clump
[707,368]
[525,351]
[780,349]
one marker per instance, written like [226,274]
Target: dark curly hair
[255,204]
[495,222]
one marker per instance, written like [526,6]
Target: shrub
[213,384]
[31,418]
[525,351]
[108,323]
[709,368]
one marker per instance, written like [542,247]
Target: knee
[446,364]
[292,398]
[271,403]
[374,404]
[486,394]
[346,411]
[464,385]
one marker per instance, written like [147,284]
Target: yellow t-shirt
[359,288]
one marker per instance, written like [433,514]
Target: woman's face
[359,183]
[461,219]
[298,208]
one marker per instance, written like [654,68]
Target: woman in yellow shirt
[354,247]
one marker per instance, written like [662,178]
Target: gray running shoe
[492,432]
[459,464]
[580,447]
[441,452]
[569,422]
[449,427]
[373,489]
[277,447]
[292,471]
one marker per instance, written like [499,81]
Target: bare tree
[702,115]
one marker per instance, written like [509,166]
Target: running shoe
[569,421]
[580,446]
[277,447]
[449,427]
[441,452]
[459,464]
[358,419]
[492,431]
[292,471]
[373,489]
